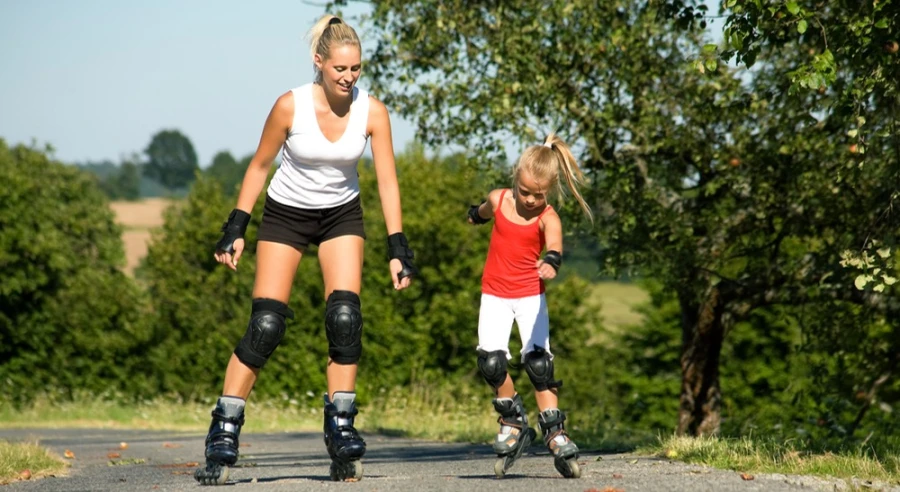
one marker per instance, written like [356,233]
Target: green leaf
[710,48]
[792,7]
[882,23]
[711,64]
[801,26]
[852,133]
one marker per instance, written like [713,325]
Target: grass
[26,461]
[766,455]
[616,303]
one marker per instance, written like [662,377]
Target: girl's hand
[545,270]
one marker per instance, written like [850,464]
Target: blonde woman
[321,129]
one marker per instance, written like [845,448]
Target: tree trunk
[702,333]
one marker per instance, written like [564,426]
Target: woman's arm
[273,136]
[385,169]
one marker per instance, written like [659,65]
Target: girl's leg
[534,328]
[495,319]
[341,259]
[276,265]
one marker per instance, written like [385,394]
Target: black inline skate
[515,435]
[222,441]
[343,442]
[564,451]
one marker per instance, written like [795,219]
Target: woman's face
[341,70]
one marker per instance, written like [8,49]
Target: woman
[321,129]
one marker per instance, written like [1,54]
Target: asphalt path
[132,460]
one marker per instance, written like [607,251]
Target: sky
[96,79]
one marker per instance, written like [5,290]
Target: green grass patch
[26,461]
[617,304]
[760,455]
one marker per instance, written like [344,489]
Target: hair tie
[334,20]
[549,145]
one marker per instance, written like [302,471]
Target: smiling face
[531,194]
[340,71]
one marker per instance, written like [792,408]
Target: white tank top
[315,172]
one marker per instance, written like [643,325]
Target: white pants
[496,318]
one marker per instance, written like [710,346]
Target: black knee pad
[264,333]
[539,367]
[343,327]
[492,366]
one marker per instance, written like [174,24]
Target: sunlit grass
[761,455]
[85,411]
[617,303]
[26,461]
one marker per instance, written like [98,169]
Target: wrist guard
[398,248]
[233,229]
[477,219]
[554,259]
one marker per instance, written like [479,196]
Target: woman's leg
[341,259]
[276,265]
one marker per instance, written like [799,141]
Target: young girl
[513,289]
[321,129]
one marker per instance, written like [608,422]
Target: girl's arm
[552,227]
[485,210]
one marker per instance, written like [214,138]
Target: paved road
[298,462]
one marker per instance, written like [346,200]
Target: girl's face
[530,193]
[341,70]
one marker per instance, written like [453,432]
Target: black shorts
[298,227]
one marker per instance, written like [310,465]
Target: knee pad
[539,367]
[492,366]
[264,333]
[343,327]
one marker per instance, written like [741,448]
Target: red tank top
[514,249]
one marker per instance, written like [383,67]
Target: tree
[709,184]
[227,171]
[69,318]
[171,159]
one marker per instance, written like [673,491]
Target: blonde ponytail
[548,161]
[328,32]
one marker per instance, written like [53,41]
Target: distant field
[138,219]
[616,302]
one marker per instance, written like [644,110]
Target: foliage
[722,186]
[68,316]
[171,159]
[117,182]
[227,171]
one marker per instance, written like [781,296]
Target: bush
[69,318]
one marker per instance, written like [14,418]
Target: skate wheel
[212,475]
[568,468]
[500,468]
[348,471]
